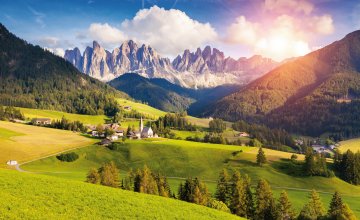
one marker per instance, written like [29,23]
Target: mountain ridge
[200,69]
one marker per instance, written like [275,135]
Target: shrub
[68,157]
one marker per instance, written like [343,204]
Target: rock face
[207,68]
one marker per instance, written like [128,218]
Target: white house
[12,162]
[243,134]
[113,137]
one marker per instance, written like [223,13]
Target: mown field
[56,115]
[352,144]
[25,142]
[180,159]
[30,196]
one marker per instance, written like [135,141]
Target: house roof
[146,129]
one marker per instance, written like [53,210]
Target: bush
[68,157]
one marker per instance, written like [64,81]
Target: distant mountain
[167,96]
[208,68]
[35,78]
[317,93]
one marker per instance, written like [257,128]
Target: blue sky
[272,28]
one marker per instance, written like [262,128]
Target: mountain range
[200,69]
[313,94]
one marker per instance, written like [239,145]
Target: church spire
[141,125]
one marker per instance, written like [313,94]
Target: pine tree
[265,203]
[284,208]
[260,157]
[238,200]
[338,209]
[248,197]
[109,175]
[222,188]
[314,209]
[128,181]
[93,176]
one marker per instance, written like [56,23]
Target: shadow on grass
[292,168]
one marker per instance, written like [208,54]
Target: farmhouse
[243,134]
[12,162]
[127,108]
[41,121]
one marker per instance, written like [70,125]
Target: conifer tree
[265,203]
[248,197]
[314,209]
[223,186]
[338,209]
[260,157]
[238,200]
[284,208]
[109,175]
[93,176]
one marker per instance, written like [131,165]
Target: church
[145,132]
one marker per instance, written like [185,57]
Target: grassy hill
[57,115]
[24,142]
[352,144]
[29,196]
[181,159]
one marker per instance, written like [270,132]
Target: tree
[128,182]
[215,204]
[109,132]
[241,202]
[144,182]
[314,209]
[338,209]
[93,176]
[217,125]
[109,175]
[223,187]
[265,202]
[100,129]
[294,157]
[284,208]
[260,157]
[194,191]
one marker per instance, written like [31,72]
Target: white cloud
[286,6]
[322,24]
[286,35]
[170,32]
[49,41]
[57,51]
[106,34]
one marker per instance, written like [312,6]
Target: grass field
[352,144]
[180,159]
[29,196]
[24,142]
[56,115]
[142,108]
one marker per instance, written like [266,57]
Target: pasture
[22,198]
[25,142]
[181,159]
[351,144]
[56,115]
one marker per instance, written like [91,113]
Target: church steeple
[141,125]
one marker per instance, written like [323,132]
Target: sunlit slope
[30,196]
[24,142]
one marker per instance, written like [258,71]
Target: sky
[277,29]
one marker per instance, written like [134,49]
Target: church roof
[146,129]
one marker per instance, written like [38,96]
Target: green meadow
[57,115]
[30,196]
[179,159]
[352,144]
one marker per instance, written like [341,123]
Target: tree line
[9,112]
[271,138]
[234,193]
[348,166]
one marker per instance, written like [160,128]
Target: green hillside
[29,196]
[304,95]
[35,78]
[181,159]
